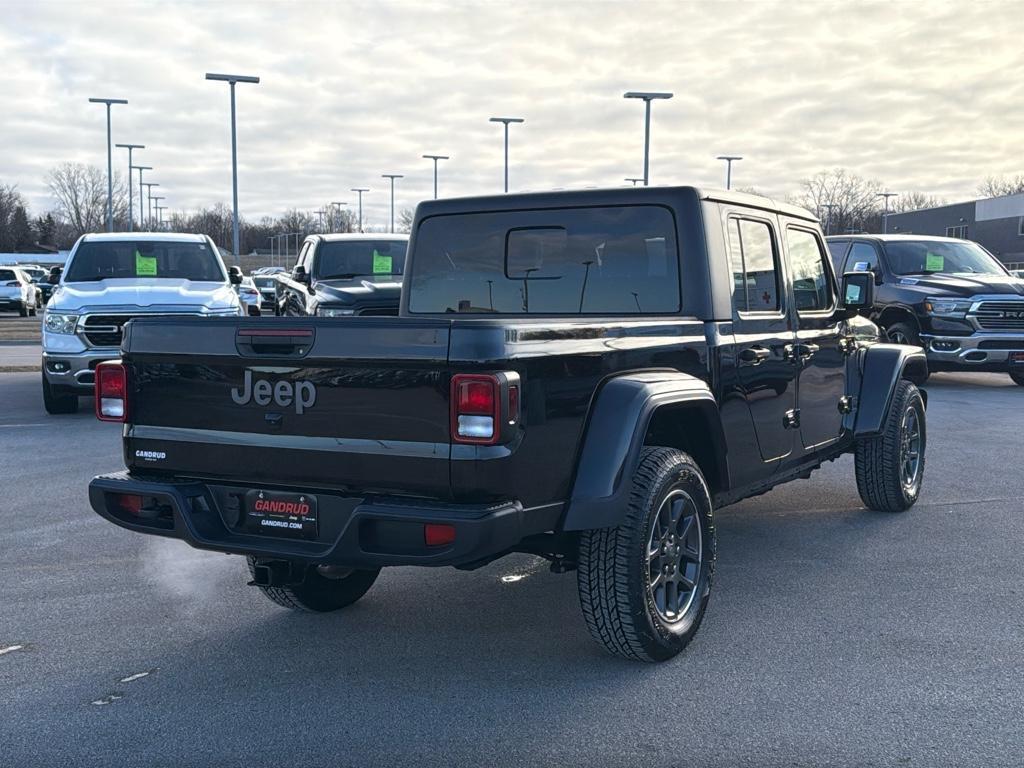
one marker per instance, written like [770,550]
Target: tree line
[842,200]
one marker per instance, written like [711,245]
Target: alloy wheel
[674,556]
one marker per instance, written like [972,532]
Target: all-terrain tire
[614,575]
[880,461]
[318,593]
[1018,377]
[55,403]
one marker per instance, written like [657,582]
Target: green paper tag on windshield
[145,266]
[381,263]
[933,262]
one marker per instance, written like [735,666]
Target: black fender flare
[882,366]
[614,437]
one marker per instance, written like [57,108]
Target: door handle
[807,350]
[754,355]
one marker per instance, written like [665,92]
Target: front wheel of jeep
[644,585]
[319,589]
[1018,378]
[890,465]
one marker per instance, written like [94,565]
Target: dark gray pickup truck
[584,376]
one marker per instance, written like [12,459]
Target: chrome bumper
[76,369]
[977,349]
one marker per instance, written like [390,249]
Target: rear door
[819,355]
[349,403]
[763,331]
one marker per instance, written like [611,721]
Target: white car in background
[110,279]
[17,292]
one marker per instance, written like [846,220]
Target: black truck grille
[388,311]
[1001,315]
[105,330]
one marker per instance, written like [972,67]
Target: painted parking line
[11,649]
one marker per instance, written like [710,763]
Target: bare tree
[842,200]
[81,194]
[10,201]
[405,220]
[999,186]
[915,201]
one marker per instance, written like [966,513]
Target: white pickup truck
[111,278]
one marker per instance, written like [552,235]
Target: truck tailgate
[352,403]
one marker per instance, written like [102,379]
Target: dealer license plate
[271,513]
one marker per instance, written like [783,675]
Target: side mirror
[54,277]
[858,291]
[235,275]
[300,275]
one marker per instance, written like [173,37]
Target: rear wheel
[890,466]
[321,589]
[644,585]
[1018,377]
[56,403]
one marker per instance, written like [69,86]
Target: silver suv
[111,278]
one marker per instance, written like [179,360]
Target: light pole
[360,190]
[320,217]
[885,215]
[159,215]
[392,176]
[149,202]
[435,158]
[130,147]
[828,221]
[506,121]
[634,180]
[648,97]
[110,162]
[336,213]
[231,80]
[729,159]
[140,169]
[156,207]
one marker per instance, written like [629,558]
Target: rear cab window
[614,260]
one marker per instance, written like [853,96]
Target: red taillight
[128,502]
[438,534]
[476,408]
[111,392]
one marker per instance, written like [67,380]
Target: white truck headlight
[55,322]
[947,307]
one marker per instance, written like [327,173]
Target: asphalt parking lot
[835,636]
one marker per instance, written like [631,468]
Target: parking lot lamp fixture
[336,213]
[647,97]
[360,190]
[156,207]
[506,121]
[110,162]
[392,176]
[885,214]
[149,202]
[130,147]
[140,169]
[231,80]
[632,179]
[729,160]
[435,158]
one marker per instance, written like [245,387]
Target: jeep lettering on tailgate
[284,393]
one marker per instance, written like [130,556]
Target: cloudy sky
[925,96]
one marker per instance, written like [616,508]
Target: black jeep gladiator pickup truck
[584,376]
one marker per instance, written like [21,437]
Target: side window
[837,248]
[812,288]
[303,253]
[755,266]
[862,258]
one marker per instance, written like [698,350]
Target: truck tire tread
[876,459]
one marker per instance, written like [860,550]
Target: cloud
[922,96]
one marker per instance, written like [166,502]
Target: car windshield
[132,259]
[34,274]
[921,257]
[343,259]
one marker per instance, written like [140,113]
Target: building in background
[995,223]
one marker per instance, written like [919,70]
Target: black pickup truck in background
[584,376]
[949,296]
[344,274]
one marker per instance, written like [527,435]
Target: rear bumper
[979,351]
[354,532]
